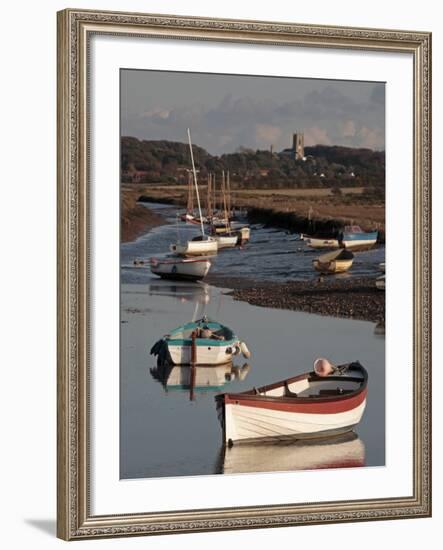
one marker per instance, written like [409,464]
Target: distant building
[297,151]
[298,146]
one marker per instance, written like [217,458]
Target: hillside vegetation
[168,162]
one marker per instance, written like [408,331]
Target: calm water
[164,433]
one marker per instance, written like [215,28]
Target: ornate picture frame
[75,29]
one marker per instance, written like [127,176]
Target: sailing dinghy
[203,244]
[327,401]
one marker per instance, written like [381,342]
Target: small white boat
[318,242]
[337,261]
[226,241]
[191,269]
[215,344]
[202,245]
[354,237]
[243,234]
[380,282]
[344,451]
[382,267]
[328,401]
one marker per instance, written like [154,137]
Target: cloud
[265,134]
[156,113]
[369,137]
[326,116]
[348,128]
[317,136]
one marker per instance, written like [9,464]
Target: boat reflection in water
[198,378]
[182,291]
[344,451]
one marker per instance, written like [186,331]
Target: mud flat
[354,298]
[136,219]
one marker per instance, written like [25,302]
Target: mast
[228,195]
[224,200]
[209,197]
[190,204]
[214,196]
[195,182]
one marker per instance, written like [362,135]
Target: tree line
[162,161]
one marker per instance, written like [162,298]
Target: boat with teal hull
[215,344]
[355,238]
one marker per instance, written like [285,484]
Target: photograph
[252,274]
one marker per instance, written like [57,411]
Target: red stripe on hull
[309,407]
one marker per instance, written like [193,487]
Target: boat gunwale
[178,260]
[251,395]
[187,342]
[201,341]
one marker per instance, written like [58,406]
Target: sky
[226,112]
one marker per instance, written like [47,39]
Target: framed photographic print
[243,274]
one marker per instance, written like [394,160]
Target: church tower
[298,145]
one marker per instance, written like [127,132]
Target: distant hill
[146,161]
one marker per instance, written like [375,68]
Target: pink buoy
[322,367]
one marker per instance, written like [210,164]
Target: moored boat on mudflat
[176,268]
[337,261]
[201,245]
[321,242]
[355,238]
[243,234]
[215,344]
[226,241]
[325,402]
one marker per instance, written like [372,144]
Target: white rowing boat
[328,401]
[337,261]
[202,245]
[191,269]
[318,242]
[226,241]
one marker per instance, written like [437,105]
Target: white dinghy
[176,268]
